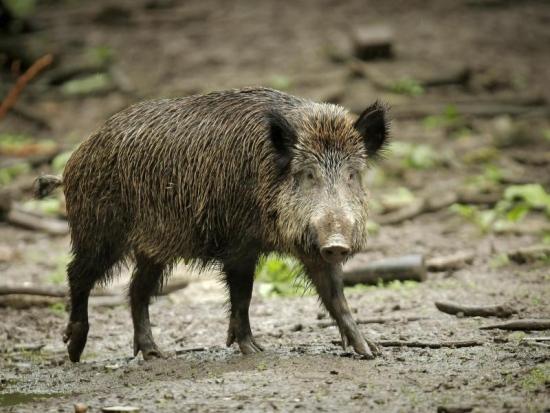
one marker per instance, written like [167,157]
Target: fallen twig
[521,325]
[30,220]
[23,348]
[190,350]
[426,205]
[535,344]
[375,320]
[530,254]
[25,297]
[35,290]
[450,262]
[455,409]
[473,311]
[426,344]
[359,270]
[33,71]
[535,339]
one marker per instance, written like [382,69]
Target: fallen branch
[535,339]
[426,205]
[455,409]
[473,108]
[535,344]
[190,350]
[31,220]
[33,296]
[18,348]
[32,72]
[426,344]
[375,320]
[521,325]
[359,270]
[36,291]
[530,254]
[473,311]
[450,262]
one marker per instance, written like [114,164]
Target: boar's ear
[373,126]
[282,136]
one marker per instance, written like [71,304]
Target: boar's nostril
[335,253]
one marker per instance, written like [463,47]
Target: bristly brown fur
[197,177]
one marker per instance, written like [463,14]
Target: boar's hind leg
[82,273]
[146,281]
[327,279]
[240,279]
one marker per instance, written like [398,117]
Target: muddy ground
[196,46]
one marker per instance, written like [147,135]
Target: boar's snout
[336,251]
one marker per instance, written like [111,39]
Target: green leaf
[517,212]
[533,195]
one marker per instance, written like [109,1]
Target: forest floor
[487,133]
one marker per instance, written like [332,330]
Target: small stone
[80,408]
[297,327]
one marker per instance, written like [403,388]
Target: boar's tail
[45,184]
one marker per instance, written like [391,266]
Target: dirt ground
[196,46]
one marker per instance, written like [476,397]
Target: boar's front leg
[239,277]
[327,279]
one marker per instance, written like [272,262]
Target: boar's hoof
[361,345]
[76,335]
[247,344]
[148,349]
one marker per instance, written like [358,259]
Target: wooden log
[530,254]
[30,220]
[521,325]
[359,270]
[473,311]
[429,344]
[375,320]
[434,204]
[450,262]
[372,42]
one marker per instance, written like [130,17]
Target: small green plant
[517,202]
[14,144]
[58,275]
[449,117]
[417,156]
[537,378]
[100,55]
[92,84]
[532,196]
[59,162]
[280,276]
[21,8]
[488,180]
[397,198]
[407,86]
[58,308]
[47,206]
[280,82]
[498,261]
[451,120]
[8,174]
